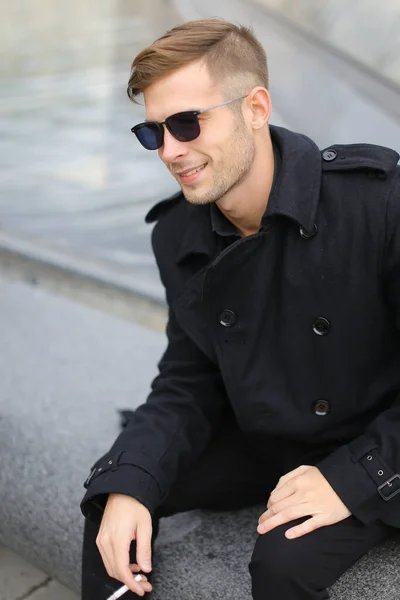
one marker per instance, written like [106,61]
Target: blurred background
[73,177]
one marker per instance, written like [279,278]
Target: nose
[172,148]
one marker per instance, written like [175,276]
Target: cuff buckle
[389,484]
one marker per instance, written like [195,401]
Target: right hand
[126,519]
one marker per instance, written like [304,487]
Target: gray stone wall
[367,30]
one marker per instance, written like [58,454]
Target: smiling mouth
[192,171]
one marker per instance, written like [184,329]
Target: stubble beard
[232,171]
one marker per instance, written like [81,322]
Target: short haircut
[232,54]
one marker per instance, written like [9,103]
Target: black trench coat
[296,326]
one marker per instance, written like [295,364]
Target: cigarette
[122,590]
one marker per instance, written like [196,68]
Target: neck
[245,205]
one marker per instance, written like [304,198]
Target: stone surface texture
[66,371]
[20,580]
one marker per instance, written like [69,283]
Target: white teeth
[193,171]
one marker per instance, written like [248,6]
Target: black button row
[228,318]
[321,408]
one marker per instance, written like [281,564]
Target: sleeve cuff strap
[128,480]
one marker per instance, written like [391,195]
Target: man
[281,381]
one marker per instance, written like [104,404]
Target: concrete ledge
[210,561]
[65,372]
[20,581]
[124,293]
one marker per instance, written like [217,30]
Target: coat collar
[296,191]
[295,194]
[198,238]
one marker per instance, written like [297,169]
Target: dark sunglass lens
[184,127]
[150,136]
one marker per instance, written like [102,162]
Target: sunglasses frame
[187,113]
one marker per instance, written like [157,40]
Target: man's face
[224,150]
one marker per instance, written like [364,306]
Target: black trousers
[235,472]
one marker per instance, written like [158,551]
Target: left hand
[301,493]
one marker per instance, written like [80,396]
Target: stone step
[21,581]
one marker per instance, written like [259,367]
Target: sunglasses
[183,126]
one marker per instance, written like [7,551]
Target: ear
[260,107]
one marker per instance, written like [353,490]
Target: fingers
[118,566]
[137,584]
[284,516]
[143,578]
[143,544]
[306,527]
[125,519]
[285,491]
[144,583]
[295,473]
[277,507]
[288,484]
[303,492]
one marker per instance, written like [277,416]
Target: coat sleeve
[167,433]
[366,472]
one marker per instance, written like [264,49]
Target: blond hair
[233,55]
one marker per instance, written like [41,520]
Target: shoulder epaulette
[376,160]
[162,207]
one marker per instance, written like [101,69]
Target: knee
[278,562]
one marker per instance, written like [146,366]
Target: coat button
[321,326]
[227,318]
[308,235]
[329,155]
[321,407]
